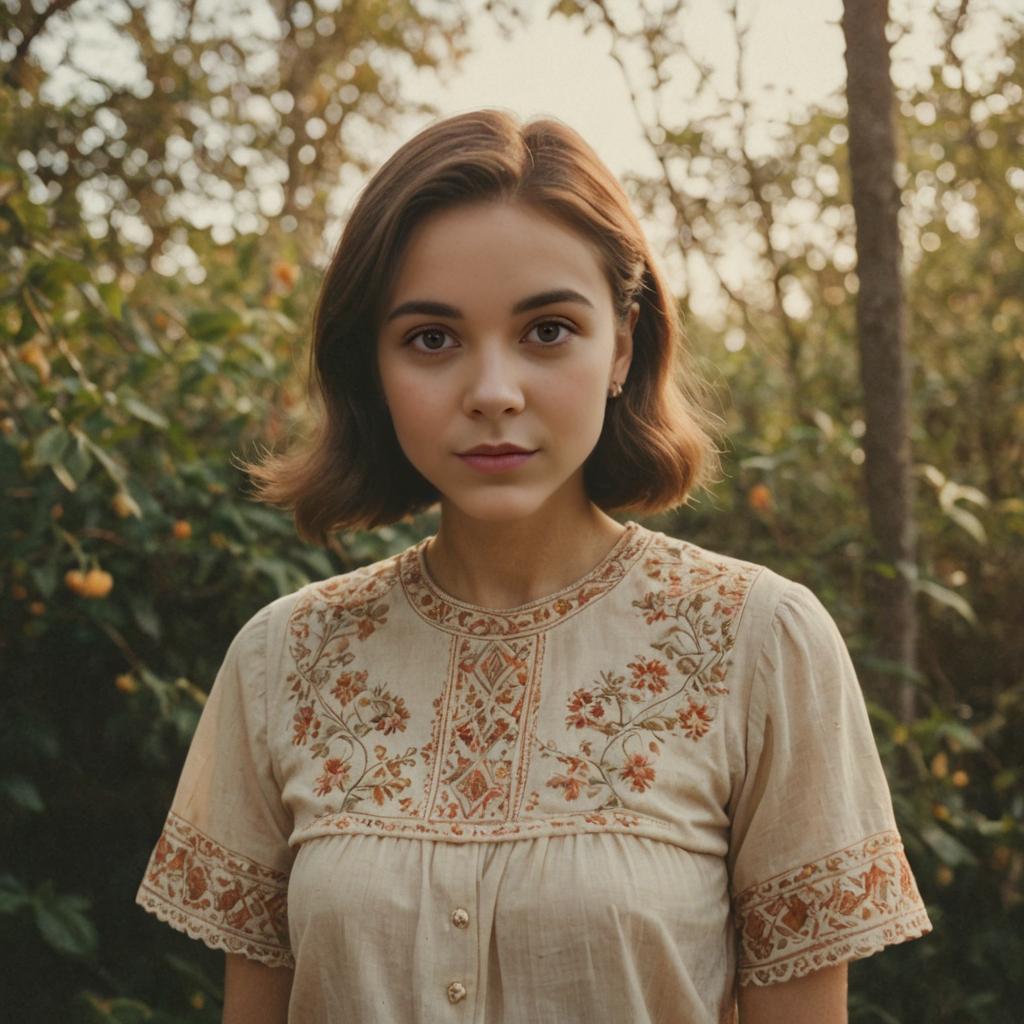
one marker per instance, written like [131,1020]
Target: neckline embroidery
[452,615]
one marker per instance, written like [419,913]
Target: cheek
[415,410]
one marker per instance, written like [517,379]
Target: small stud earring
[615,390]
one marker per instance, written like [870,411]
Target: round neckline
[448,612]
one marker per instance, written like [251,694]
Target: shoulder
[740,588]
[360,593]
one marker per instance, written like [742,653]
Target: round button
[456,992]
[460,917]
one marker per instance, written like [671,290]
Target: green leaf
[947,597]
[62,923]
[946,847]
[114,470]
[143,412]
[50,445]
[22,792]
[78,461]
[213,325]
[13,895]
[67,481]
[145,615]
[113,298]
[45,577]
[967,521]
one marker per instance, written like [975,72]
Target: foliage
[148,339]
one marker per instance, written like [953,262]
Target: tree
[881,340]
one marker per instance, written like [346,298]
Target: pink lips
[496,463]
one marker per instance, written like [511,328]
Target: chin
[502,505]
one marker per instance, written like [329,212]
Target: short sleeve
[219,871]
[818,871]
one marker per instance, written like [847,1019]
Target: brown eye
[547,333]
[432,339]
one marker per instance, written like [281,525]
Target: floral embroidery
[695,720]
[445,612]
[336,705]
[846,905]
[639,772]
[228,900]
[481,771]
[678,690]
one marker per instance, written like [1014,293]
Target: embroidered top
[609,804]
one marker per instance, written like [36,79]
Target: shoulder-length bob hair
[350,472]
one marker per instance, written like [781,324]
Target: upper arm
[255,993]
[815,998]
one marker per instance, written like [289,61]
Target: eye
[545,329]
[433,340]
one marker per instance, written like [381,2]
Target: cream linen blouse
[606,805]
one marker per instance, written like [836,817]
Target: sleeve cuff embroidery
[847,905]
[228,901]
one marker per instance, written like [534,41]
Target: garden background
[162,232]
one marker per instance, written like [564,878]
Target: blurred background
[173,176]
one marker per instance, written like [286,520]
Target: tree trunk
[891,614]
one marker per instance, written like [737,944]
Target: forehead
[485,249]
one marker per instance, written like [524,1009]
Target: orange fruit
[759,498]
[36,608]
[960,778]
[18,592]
[126,683]
[74,579]
[97,583]
[31,353]
[124,505]
[182,529]
[285,273]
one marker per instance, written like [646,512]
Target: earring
[615,390]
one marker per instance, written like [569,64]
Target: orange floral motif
[830,910]
[348,687]
[639,772]
[649,673]
[584,710]
[336,710]
[334,776]
[694,719]
[229,900]
[393,718]
[672,693]
[306,725]
[575,778]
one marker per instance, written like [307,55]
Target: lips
[496,458]
[498,449]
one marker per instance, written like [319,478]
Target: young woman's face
[500,330]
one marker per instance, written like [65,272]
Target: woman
[541,766]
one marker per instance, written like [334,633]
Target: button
[456,992]
[460,917]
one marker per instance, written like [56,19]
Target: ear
[624,344]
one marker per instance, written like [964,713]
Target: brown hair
[350,472]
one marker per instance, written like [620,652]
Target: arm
[255,993]
[816,998]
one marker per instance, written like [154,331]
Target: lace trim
[211,893]
[845,906]
[196,928]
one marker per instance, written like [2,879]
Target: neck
[501,565]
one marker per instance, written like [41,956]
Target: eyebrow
[429,308]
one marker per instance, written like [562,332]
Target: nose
[493,386]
